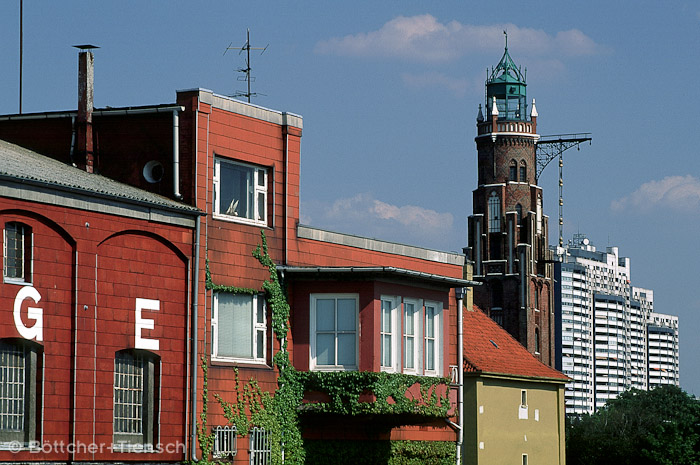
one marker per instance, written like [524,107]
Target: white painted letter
[145,323]
[33,313]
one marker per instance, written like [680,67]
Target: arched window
[513,172]
[519,211]
[523,171]
[136,375]
[494,213]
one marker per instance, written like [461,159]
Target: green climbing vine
[279,414]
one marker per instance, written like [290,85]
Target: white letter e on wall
[33,313]
[145,323]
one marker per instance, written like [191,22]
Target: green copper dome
[507,83]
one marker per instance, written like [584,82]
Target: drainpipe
[176,155]
[460,292]
[195,335]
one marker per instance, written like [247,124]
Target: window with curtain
[239,327]
[432,332]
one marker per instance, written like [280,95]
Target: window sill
[16,281]
[245,363]
[332,368]
[239,220]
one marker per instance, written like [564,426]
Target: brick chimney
[86,73]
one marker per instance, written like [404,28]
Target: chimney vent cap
[86,46]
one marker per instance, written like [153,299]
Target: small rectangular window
[523,398]
[239,327]
[524,459]
[225,442]
[260,450]
[17,252]
[240,192]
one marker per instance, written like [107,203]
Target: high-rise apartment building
[608,337]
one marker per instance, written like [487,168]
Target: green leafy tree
[661,426]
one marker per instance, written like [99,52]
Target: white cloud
[424,38]
[366,216]
[674,192]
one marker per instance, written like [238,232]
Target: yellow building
[513,403]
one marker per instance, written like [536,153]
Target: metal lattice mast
[248,78]
[549,148]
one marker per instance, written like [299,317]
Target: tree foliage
[661,426]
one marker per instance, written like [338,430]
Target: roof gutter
[380,269]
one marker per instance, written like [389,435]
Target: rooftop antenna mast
[247,48]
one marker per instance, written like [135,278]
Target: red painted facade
[92,267]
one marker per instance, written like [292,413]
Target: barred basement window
[259,446]
[225,442]
[17,254]
[134,399]
[18,391]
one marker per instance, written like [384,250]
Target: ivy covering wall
[279,413]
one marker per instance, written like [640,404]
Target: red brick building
[508,231]
[141,255]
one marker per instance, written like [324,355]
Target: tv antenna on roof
[247,48]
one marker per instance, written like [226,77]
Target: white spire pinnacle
[494,108]
[533,113]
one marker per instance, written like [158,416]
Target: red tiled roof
[488,348]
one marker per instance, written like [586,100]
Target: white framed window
[135,398]
[17,252]
[333,331]
[260,450]
[389,334]
[432,342]
[240,192]
[523,398]
[239,327]
[524,459]
[225,444]
[494,213]
[411,337]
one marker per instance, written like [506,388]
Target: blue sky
[389,93]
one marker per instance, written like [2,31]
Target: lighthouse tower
[508,231]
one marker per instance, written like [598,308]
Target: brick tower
[508,242]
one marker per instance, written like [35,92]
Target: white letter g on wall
[33,313]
